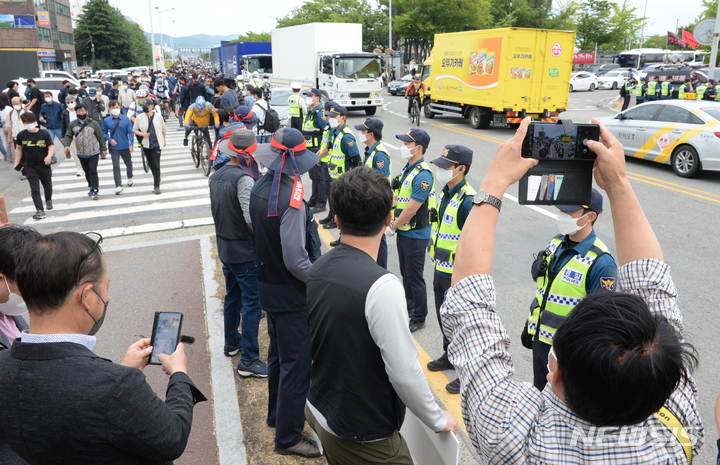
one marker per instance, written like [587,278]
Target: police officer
[574,264]
[627,92]
[255,80]
[711,92]
[313,128]
[653,89]
[376,156]
[700,91]
[297,107]
[344,154]
[666,90]
[684,88]
[640,92]
[455,204]
[414,203]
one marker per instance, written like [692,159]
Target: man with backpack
[89,142]
[268,119]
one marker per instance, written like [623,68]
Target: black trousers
[289,361]
[382,253]
[328,187]
[441,284]
[36,175]
[89,165]
[626,102]
[181,114]
[541,351]
[411,254]
[296,123]
[638,101]
[153,159]
[319,196]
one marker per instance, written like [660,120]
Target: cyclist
[414,91]
[198,115]
[162,91]
[135,108]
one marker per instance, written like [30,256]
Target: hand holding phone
[165,334]
[176,362]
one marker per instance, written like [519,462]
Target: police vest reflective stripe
[421,218]
[639,91]
[256,82]
[294,105]
[567,289]
[324,143]
[337,157]
[628,87]
[370,160]
[446,231]
[312,133]
[681,93]
[665,89]
[700,92]
[652,88]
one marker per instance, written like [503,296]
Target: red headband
[240,120]
[278,145]
[247,151]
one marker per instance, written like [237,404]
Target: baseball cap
[416,135]
[314,92]
[454,155]
[596,204]
[371,124]
[337,110]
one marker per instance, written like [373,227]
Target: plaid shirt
[511,422]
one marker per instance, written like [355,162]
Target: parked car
[613,79]
[399,86]
[583,81]
[52,84]
[600,69]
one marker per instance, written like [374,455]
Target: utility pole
[714,47]
[162,48]
[152,36]
[642,31]
[390,12]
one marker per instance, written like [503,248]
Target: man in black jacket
[66,404]
[286,243]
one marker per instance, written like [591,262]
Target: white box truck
[329,57]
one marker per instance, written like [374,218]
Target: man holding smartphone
[574,264]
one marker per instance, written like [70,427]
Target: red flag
[675,40]
[689,39]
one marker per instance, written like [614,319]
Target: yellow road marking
[436,380]
[673,184]
[674,189]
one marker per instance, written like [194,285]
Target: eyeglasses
[552,352]
[98,240]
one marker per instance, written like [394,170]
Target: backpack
[272,121]
[85,140]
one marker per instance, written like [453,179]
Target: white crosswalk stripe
[183,203]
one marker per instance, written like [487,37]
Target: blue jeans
[124,111]
[2,147]
[56,133]
[263,139]
[242,299]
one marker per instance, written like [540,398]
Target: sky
[230,18]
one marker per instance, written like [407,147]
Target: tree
[118,42]
[625,23]
[655,42]
[562,16]
[519,13]
[254,37]
[593,24]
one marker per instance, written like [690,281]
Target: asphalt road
[680,211]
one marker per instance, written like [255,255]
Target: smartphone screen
[166,331]
[549,141]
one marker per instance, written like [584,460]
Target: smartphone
[549,141]
[165,334]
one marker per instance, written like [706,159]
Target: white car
[583,81]
[682,133]
[52,84]
[613,79]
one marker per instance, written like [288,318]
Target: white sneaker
[118,190]
[130,182]
[80,173]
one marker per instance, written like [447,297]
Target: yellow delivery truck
[499,75]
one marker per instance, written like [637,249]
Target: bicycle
[201,150]
[415,113]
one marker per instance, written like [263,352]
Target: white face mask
[445,176]
[567,224]
[17,107]
[15,305]
[363,137]
[115,111]
[406,153]
[48,100]
[308,101]
[29,127]
[333,122]
[71,105]
[123,87]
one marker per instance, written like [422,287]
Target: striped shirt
[511,422]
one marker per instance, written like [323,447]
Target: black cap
[314,92]
[416,135]
[454,155]
[329,104]
[596,204]
[337,110]
[371,124]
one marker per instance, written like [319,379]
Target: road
[178,221]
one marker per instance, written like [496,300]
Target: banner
[689,39]
[43,18]
[675,40]
[584,58]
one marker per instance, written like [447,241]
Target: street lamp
[162,50]
[172,41]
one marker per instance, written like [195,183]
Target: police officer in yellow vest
[574,264]
[376,157]
[455,203]
[640,90]
[297,107]
[344,154]
[653,89]
[666,90]
[414,203]
[313,128]
[684,88]
[255,80]
[627,92]
[324,152]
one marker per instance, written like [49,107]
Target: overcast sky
[230,17]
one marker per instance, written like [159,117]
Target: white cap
[296,86]
[255,74]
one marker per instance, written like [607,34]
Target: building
[76,8]
[42,26]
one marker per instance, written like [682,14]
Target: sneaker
[305,448]
[54,160]
[327,219]
[68,156]
[231,350]
[95,195]
[185,142]
[130,182]
[330,225]
[80,173]
[335,243]
[258,368]
[440,365]
[156,189]
[22,178]
[90,192]
[48,204]
[454,387]
[319,209]
[409,116]
[118,190]
[181,128]
[415,325]
[39,215]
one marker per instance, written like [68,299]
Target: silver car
[682,133]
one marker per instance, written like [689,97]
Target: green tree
[655,42]
[593,24]
[625,23]
[519,13]
[562,16]
[254,37]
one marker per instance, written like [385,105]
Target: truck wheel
[427,111]
[370,110]
[478,120]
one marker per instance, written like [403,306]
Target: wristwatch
[483,197]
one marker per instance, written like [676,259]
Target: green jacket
[73,129]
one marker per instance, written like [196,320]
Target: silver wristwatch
[483,197]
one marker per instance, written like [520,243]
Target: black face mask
[81,117]
[67,87]
[98,323]
[146,109]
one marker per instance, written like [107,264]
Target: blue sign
[398,54]
[24,21]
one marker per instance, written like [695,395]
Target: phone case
[563,182]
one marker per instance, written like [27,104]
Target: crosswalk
[183,203]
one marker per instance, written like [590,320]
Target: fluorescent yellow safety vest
[338,160]
[665,89]
[294,105]
[681,93]
[324,143]
[446,230]
[312,133]
[421,219]
[652,88]
[639,91]
[556,298]
[256,82]
[700,92]
[370,160]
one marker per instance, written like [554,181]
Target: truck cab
[353,80]
[262,63]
